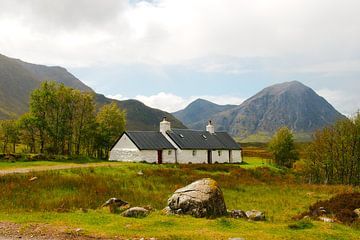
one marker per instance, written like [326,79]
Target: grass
[181,227]
[57,198]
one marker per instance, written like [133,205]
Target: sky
[167,53]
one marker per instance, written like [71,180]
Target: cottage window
[194,152]
[169,152]
[219,153]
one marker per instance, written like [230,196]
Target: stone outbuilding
[176,146]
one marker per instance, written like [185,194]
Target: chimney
[210,128]
[164,126]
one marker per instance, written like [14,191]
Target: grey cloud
[65,14]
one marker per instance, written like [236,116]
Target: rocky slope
[290,104]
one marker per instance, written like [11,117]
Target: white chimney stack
[164,126]
[210,128]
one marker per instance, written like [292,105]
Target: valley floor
[65,204]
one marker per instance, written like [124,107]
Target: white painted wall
[223,158]
[168,155]
[236,156]
[126,151]
[186,156]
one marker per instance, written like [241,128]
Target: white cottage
[176,146]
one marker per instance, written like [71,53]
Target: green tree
[42,101]
[111,123]
[282,148]
[334,155]
[84,128]
[28,130]
[10,134]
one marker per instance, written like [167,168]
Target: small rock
[78,230]
[167,211]
[320,211]
[140,173]
[357,212]
[136,212]
[255,215]
[325,219]
[33,179]
[114,204]
[238,214]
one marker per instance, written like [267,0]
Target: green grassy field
[72,198]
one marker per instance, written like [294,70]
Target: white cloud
[170,102]
[91,32]
[342,101]
[117,97]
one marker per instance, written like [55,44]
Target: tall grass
[278,193]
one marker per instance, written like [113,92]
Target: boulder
[238,214]
[255,215]
[136,212]
[202,198]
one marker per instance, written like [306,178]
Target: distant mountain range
[18,79]
[289,104]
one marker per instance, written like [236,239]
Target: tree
[282,148]
[111,123]
[333,157]
[10,134]
[28,130]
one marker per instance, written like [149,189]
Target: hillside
[197,113]
[139,116]
[18,79]
[291,104]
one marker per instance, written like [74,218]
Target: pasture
[72,198]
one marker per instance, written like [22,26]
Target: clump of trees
[282,148]
[62,120]
[334,154]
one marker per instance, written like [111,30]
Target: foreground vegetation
[73,198]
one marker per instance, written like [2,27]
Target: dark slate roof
[192,139]
[146,140]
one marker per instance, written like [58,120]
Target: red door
[159,156]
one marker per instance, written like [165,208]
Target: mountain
[290,104]
[139,116]
[199,112]
[18,79]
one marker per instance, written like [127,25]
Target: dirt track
[58,167]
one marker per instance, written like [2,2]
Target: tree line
[63,120]
[333,156]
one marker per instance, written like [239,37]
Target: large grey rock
[255,215]
[136,212]
[202,198]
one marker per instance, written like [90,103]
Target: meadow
[72,198]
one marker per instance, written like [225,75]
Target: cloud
[95,32]
[347,103]
[117,97]
[170,102]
